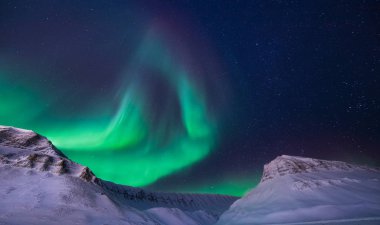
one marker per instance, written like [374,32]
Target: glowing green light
[235,185]
[125,146]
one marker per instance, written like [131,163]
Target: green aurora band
[125,146]
[236,186]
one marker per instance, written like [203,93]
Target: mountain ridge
[285,164]
[38,163]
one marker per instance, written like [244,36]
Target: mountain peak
[27,149]
[299,190]
[27,139]
[285,164]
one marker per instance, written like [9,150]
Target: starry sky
[193,96]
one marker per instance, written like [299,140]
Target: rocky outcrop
[87,174]
[284,165]
[25,148]
[27,139]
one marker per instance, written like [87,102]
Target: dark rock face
[87,174]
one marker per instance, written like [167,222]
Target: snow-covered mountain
[297,190]
[40,185]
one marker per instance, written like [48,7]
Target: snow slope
[297,190]
[39,185]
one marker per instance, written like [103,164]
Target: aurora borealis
[192,96]
[150,133]
[170,141]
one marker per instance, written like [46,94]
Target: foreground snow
[296,190]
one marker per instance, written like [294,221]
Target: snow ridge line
[183,200]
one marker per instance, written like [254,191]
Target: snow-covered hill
[39,185]
[297,190]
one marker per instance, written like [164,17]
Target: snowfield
[40,185]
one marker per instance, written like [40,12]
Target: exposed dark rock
[87,174]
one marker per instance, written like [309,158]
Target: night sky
[193,96]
